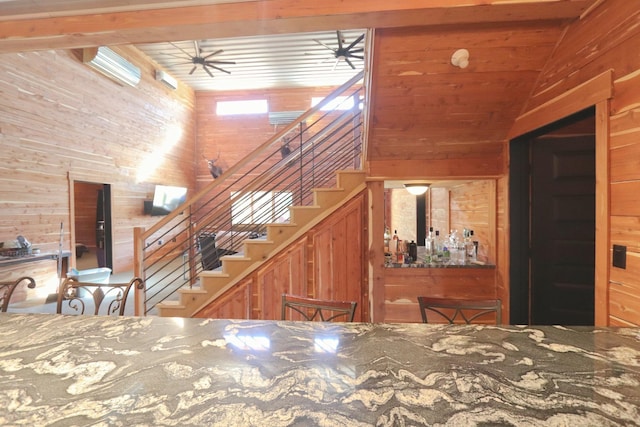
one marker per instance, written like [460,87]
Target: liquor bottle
[437,241]
[469,247]
[430,246]
[387,239]
[394,246]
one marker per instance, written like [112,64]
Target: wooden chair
[316,309]
[7,288]
[77,297]
[468,310]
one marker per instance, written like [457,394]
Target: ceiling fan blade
[207,70]
[339,40]
[174,55]
[193,69]
[196,47]
[322,44]
[354,56]
[219,62]
[214,53]
[181,49]
[349,62]
[360,49]
[335,64]
[218,68]
[356,41]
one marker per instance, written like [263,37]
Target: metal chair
[468,310]
[7,288]
[316,309]
[77,296]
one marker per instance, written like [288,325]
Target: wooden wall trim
[603,218]
[591,92]
[376,237]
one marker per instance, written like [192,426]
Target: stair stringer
[214,284]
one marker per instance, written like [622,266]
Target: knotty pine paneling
[455,120]
[403,286]
[591,46]
[472,206]
[60,119]
[233,137]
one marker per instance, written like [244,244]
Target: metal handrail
[266,183]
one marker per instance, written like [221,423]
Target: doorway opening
[552,223]
[92,225]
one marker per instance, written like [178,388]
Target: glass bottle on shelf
[430,246]
[394,246]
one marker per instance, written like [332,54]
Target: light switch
[620,256]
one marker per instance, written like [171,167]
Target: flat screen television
[167,198]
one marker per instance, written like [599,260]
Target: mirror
[447,206]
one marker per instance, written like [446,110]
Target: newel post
[138,270]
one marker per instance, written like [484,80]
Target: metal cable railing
[257,191]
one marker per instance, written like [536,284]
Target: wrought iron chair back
[312,309]
[7,288]
[467,310]
[77,297]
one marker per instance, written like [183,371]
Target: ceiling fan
[201,59]
[342,53]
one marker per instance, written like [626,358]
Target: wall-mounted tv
[166,199]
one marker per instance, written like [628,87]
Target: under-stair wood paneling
[62,120]
[432,119]
[402,286]
[607,38]
[327,262]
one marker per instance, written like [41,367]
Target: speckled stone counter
[63,371]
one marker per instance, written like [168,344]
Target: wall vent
[283,117]
[167,79]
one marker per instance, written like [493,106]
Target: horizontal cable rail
[255,192]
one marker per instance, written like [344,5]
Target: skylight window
[232,108]
[340,103]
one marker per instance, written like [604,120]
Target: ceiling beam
[106,23]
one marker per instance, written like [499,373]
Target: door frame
[520,193]
[108,203]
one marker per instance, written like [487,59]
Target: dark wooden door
[562,230]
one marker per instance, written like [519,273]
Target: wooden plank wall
[327,262]
[60,119]
[608,38]
[233,137]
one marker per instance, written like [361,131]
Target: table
[98,370]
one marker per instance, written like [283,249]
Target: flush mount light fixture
[460,58]
[417,188]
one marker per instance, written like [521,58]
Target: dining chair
[75,297]
[318,309]
[468,310]
[7,288]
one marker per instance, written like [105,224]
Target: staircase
[255,209]
[278,236]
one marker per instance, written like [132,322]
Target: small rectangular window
[340,103]
[230,108]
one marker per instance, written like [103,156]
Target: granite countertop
[438,265]
[132,371]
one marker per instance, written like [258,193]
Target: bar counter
[138,371]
